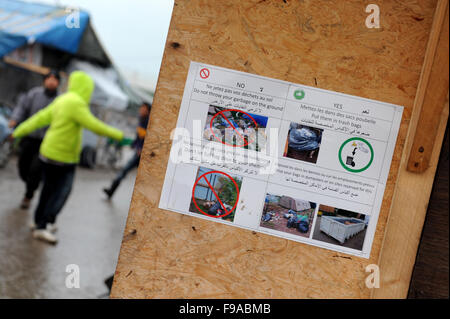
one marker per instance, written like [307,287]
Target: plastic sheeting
[22,23]
[107,91]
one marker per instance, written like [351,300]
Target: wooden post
[432,93]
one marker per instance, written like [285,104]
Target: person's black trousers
[57,184]
[129,166]
[30,167]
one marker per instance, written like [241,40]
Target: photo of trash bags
[303,143]
[236,128]
[287,214]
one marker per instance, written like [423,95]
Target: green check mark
[299,94]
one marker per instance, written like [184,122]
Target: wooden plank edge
[405,222]
[27,66]
[424,136]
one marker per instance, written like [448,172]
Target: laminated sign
[280,158]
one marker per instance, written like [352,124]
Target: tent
[294,204]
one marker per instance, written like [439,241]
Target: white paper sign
[280,158]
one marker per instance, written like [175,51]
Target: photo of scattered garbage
[236,128]
[215,194]
[303,143]
[340,227]
[287,214]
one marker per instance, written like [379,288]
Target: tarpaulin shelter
[22,23]
[36,37]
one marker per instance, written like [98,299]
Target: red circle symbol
[227,212]
[246,141]
[204,73]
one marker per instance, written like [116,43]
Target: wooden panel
[317,43]
[406,221]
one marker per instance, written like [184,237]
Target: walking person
[60,150]
[30,168]
[138,144]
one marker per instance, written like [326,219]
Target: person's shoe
[45,235]
[108,192]
[25,204]
[52,228]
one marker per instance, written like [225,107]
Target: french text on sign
[332,153]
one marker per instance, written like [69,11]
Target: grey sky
[133,33]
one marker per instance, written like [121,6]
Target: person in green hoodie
[60,150]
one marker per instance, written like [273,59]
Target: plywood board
[317,43]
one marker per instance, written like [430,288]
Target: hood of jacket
[81,84]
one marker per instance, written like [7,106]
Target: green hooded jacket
[66,116]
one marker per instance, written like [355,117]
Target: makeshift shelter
[294,204]
[22,23]
[37,37]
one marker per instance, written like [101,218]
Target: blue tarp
[22,22]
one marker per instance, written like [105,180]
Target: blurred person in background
[30,169]
[138,144]
[60,149]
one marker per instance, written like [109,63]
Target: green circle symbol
[299,94]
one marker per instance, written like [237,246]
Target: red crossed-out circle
[204,73]
[234,128]
[215,194]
